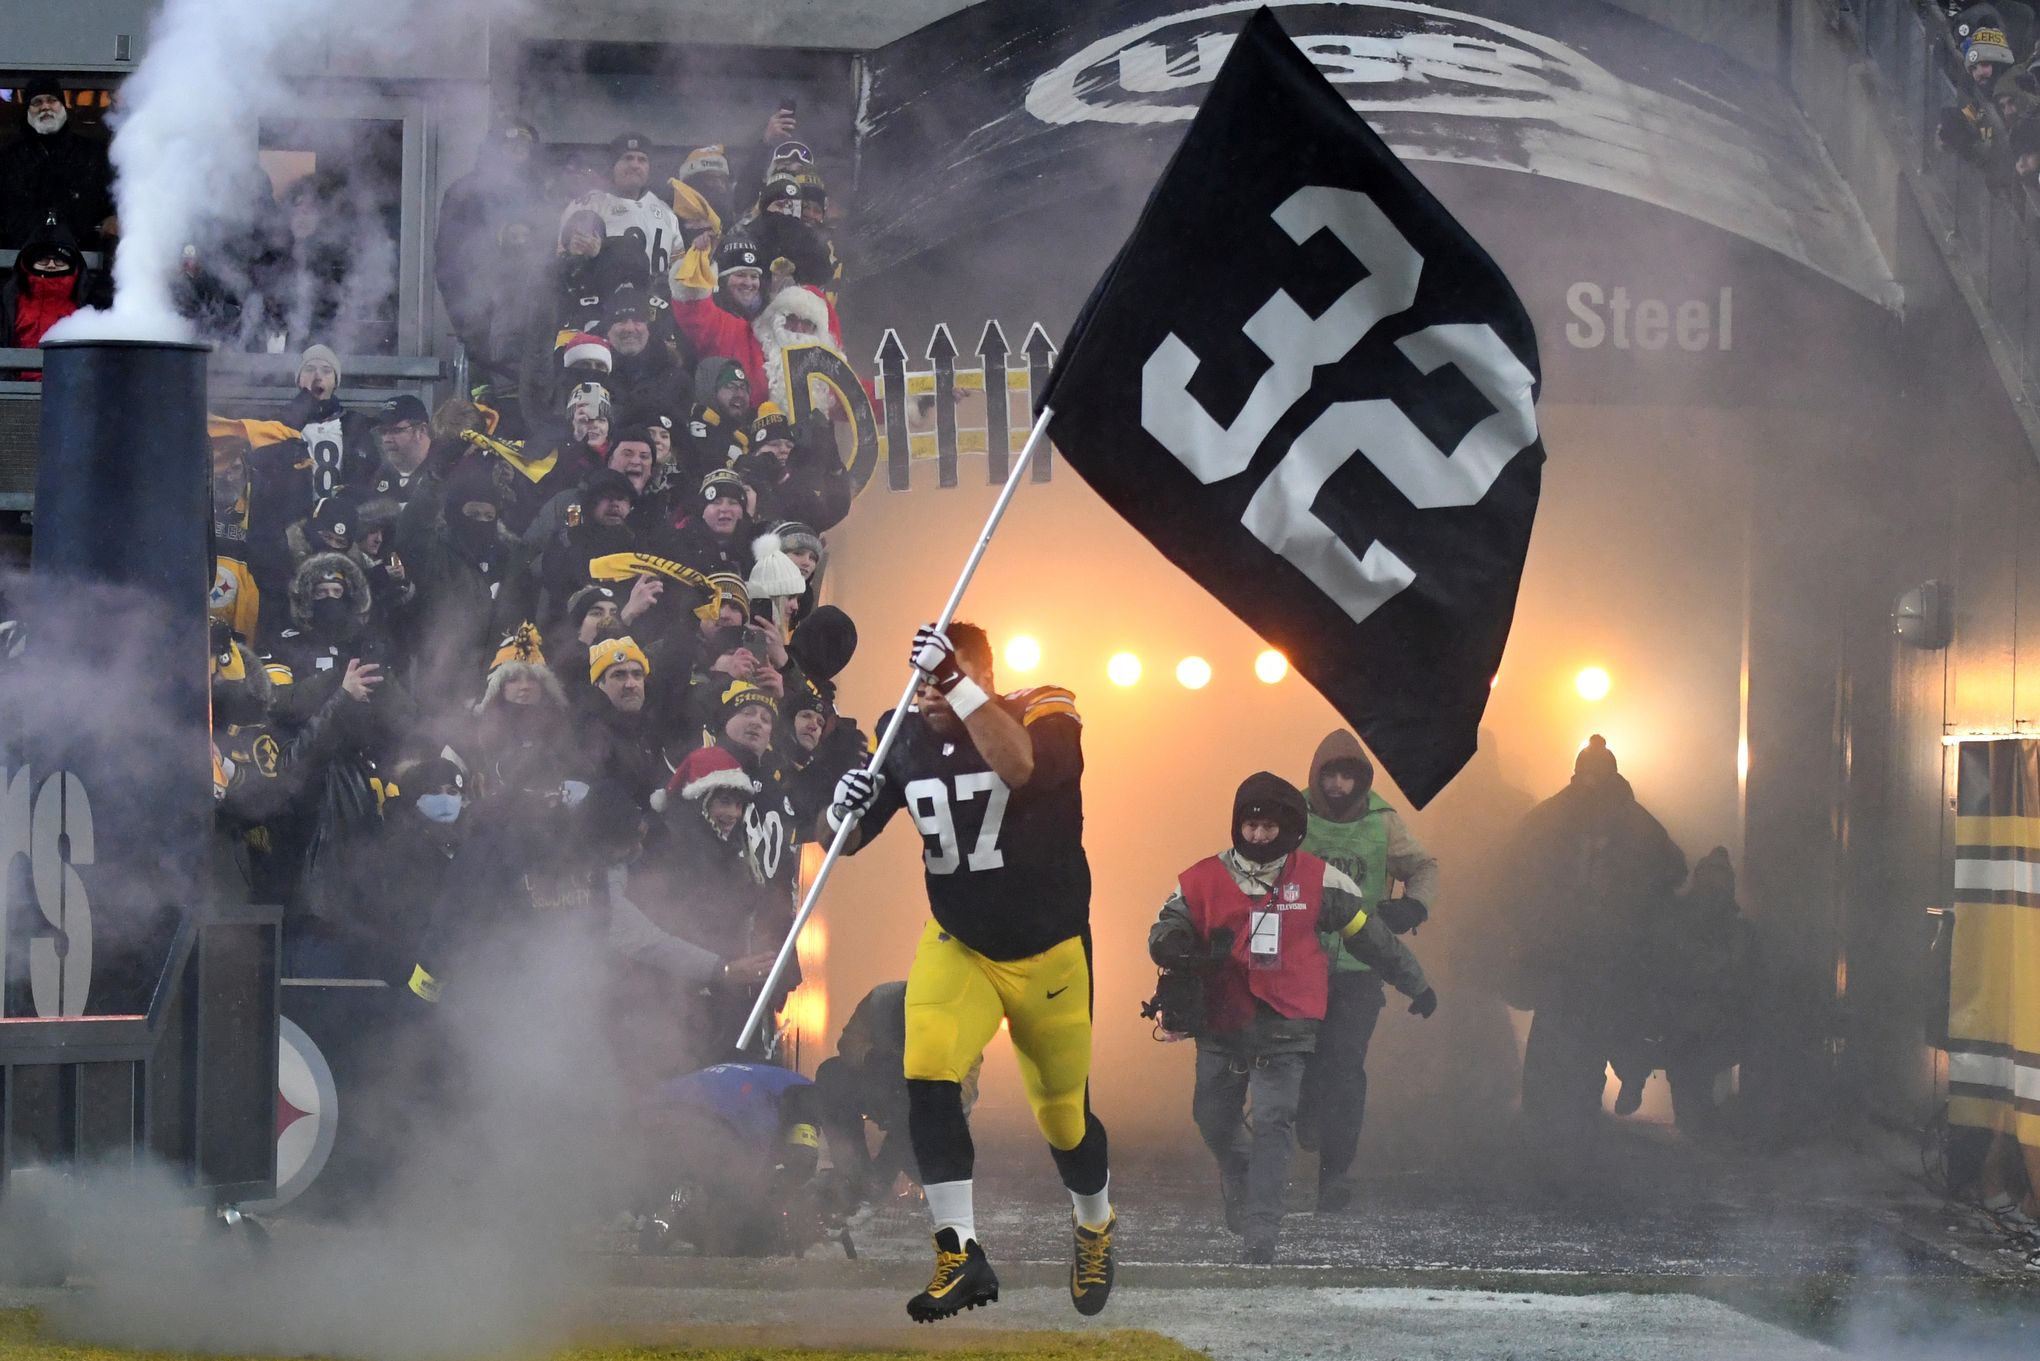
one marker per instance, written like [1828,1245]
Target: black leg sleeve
[843,1115]
[1083,1168]
[941,1134]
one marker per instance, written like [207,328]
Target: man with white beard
[49,170]
[628,208]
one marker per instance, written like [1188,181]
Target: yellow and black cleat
[963,1280]
[1091,1268]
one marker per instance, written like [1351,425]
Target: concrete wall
[848,25]
[81,35]
[1849,808]
[78,35]
[1751,31]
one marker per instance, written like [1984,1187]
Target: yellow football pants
[956,998]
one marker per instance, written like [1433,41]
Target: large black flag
[1307,385]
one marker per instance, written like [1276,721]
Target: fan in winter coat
[50,281]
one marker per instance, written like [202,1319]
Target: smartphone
[787,105]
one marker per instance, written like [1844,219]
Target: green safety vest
[1360,849]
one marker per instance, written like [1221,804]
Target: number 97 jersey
[1006,869]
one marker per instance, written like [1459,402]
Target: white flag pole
[1035,438]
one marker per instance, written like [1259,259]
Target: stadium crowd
[556,646]
[1994,47]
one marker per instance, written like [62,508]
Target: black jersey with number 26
[1006,869]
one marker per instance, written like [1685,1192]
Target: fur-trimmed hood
[492,697]
[318,567]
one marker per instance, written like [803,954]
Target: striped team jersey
[1005,867]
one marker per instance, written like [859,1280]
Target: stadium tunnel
[1735,416]
[1723,533]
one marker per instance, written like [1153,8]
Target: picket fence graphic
[944,411]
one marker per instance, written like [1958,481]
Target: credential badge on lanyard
[1264,941]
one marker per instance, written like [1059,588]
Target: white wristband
[966,697]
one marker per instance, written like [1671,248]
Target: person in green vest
[1352,828]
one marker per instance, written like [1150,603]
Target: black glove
[1402,915]
[1424,1003]
[934,657]
[1178,948]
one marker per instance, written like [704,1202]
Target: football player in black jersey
[992,782]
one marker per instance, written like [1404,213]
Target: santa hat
[705,770]
[773,575]
[584,348]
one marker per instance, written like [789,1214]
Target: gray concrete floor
[1266,1321]
[1621,1241]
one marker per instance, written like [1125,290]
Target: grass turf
[22,1338]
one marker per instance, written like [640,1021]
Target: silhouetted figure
[1590,865]
[1703,974]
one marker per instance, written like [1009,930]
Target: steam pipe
[120,570]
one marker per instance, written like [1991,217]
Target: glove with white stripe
[934,657]
[855,793]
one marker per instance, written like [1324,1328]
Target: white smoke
[506,1136]
[188,121]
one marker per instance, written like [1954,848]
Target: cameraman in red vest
[1248,918]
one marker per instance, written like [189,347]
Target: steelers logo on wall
[307,1115]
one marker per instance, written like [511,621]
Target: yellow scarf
[694,272]
[628,566]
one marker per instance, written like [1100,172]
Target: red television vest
[1297,987]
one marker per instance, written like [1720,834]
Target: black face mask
[475,539]
[330,618]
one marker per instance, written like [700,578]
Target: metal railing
[1989,223]
[237,384]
